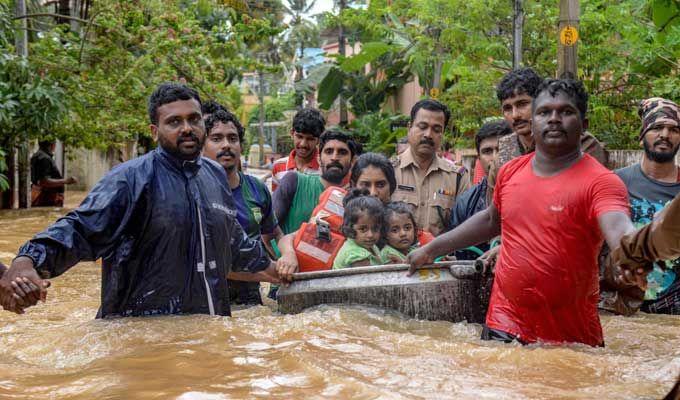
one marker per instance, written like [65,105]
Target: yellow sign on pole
[434,93]
[569,35]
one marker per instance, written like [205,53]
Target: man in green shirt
[298,194]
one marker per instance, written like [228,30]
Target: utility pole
[517,30]
[260,95]
[21,44]
[341,51]
[567,56]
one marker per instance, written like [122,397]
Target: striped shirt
[286,164]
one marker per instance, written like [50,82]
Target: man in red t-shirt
[552,209]
[308,125]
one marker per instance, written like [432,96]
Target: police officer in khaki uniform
[424,180]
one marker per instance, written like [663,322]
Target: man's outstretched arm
[615,225]
[479,228]
[659,240]
[83,234]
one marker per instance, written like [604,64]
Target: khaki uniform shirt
[432,196]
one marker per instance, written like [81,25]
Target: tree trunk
[300,97]
[517,31]
[341,51]
[260,93]
[64,9]
[21,44]
[15,177]
[75,12]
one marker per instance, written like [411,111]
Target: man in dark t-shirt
[48,184]
[651,185]
[225,136]
[473,200]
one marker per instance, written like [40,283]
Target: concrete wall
[617,158]
[90,165]
[623,158]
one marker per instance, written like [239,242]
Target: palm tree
[302,33]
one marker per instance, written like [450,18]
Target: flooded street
[58,350]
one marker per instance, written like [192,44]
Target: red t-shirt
[546,284]
[284,165]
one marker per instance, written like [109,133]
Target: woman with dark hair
[372,172]
[375,173]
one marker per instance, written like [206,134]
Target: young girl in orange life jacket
[363,226]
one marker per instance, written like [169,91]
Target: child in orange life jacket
[400,232]
[363,226]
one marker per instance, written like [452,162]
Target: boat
[444,291]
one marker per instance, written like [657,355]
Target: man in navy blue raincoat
[163,224]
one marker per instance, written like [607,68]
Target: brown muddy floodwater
[58,350]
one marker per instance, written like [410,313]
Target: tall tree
[301,34]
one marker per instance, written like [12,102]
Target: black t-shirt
[43,166]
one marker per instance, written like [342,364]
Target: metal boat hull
[430,294]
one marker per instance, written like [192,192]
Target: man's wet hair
[491,129]
[309,121]
[224,117]
[211,107]
[431,105]
[169,92]
[337,135]
[357,203]
[45,144]
[520,81]
[376,160]
[572,88]
[400,207]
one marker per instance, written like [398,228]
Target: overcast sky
[321,6]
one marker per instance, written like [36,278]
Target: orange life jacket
[330,208]
[316,246]
[424,237]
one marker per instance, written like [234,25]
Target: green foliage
[273,109]
[664,12]
[375,131]
[4,183]
[274,112]
[89,85]
[629,50]
[30,105]
[369,52]
[107,69]
[330,87]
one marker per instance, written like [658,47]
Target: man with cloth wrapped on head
[652,184]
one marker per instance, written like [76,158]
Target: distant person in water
[47,189]
[163,224]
